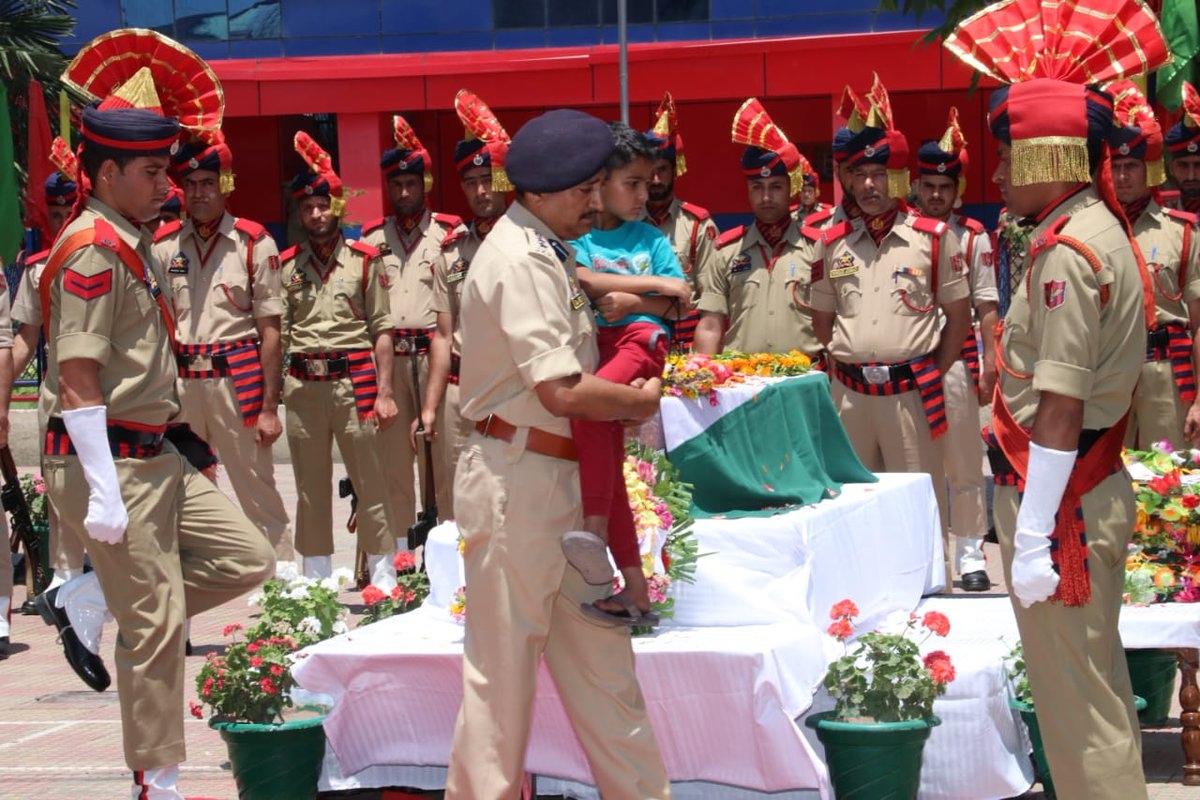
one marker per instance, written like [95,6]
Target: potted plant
[883,691]
[275,747]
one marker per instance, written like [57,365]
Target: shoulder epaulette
[817,217]
[250,228]
[373,225]
[811,233]
[1048,238]
[167,229]
[289,254]
[696,211]
[449,220]
[452,237]
[973,225]
[105,235]
[35,258]
[364,249]
[934,227]
[1186,217]
[731,235]
[832,234]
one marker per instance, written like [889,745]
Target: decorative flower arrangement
[661,503]
[412,587]
[458,604]
[696,375]
[1163,563]
[252,680]
[882,677]
[34,489]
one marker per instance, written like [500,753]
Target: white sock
[5,613]
[83,600]
[156,784]
[383,572]
[318,567]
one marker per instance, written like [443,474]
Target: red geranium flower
[937,622]
[843,608]
[841,629]
[939,666]
[404,560]
[196,709]
[268,686]
[256,661]
[232,628]
[372,595]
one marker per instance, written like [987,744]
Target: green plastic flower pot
[1152,673]
[1041,767]
[275,761]
[873,760]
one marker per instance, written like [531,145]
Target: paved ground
[61,741]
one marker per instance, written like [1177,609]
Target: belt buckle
[404,344]
[200,362]
[877,375]
[318,367]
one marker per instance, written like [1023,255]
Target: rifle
[362,576]
[418,532]
[13,499]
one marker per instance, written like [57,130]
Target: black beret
[59,190]
[933,160]
[1183,140]
[402,162]
[759,163]
[868,146]
[558,150]
[1127,141]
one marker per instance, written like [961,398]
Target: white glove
[1033,575]
[107,518]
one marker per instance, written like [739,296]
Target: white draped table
[725,680]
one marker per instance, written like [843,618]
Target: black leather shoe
[990,537]
[187,647]
[977,581]
[87,665]
[3,647]
[28,609]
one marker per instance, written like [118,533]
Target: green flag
[11,229]
[1182,30]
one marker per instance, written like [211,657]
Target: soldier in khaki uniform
[1183,143]
[884,277]
[66,547]
[337,331]
[483,183]
[1069,356]
[6,382]
[690,228]
[972,377]
[410,243]
[759,287]
[1166,393]
[223,275]
[164,540]
[854,111]
[810,200]
[528,346]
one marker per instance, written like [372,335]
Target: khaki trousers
[210,406]
[66,546]
[891,434]
[963,454]
[522,603]
[1075,660]
[454,432]
[188,549]
[317,413]
[1157,411]
[398,453]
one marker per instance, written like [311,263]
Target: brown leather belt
[539,441]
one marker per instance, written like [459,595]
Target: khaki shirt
[344,310]
[27,307]
[976,247]
[217,298]
[884,297]
[101,311]
[1160,237]
[693,237]
[758,292]
[525,321]
[449,277]
[408,260]
[1058,330]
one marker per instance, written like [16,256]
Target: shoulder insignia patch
[363,248]
[1055,293]
[373,225]
[458,270]
[87,287]
[250,228]
[832,234]
[740,263]
[957,263]
[816,218]
[453,237]
[843,266]
[1183,216]
[810,233]
[973,225]
[289,254]
[178,265]
[731,235]
[817,271]
[696,211]
[933,227]
[273,263]
[449,220]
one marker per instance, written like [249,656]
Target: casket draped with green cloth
[767,445]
